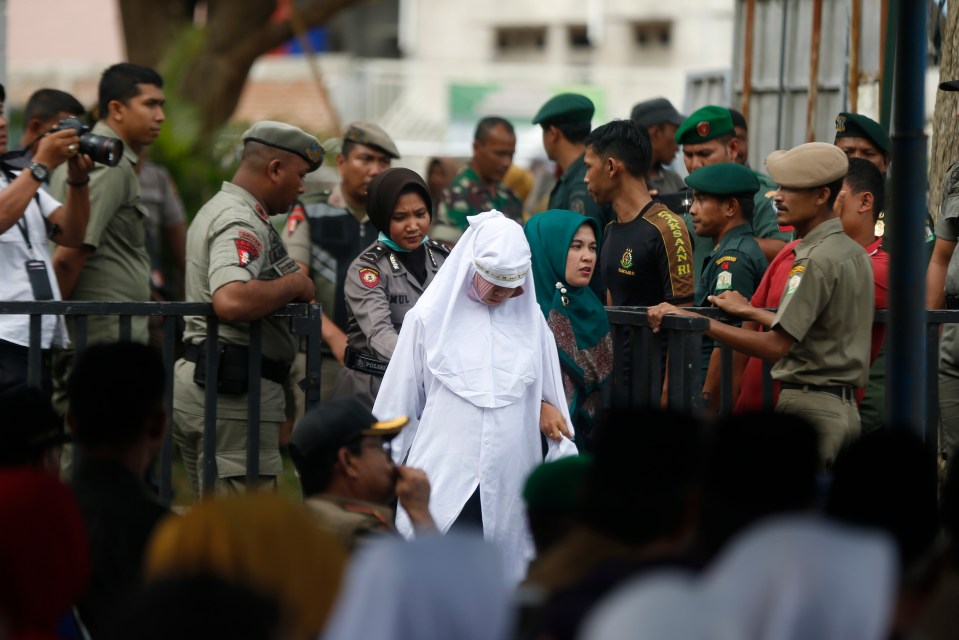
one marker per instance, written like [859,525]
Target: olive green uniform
[231,240]
[352,521]
[664,181]
[379,292]
[764,224]
[736,264]
[828,308]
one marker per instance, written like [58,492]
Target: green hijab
[580,326]
[549,235]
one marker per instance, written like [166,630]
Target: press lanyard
[25,231]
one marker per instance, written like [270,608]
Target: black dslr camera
[102,149]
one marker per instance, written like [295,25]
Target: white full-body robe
[471,378]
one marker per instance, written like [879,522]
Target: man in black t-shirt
[647,257]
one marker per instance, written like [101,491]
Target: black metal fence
[641,362]
[305,320]
[641,366]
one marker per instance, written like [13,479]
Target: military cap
[725,178]
[813,164]
[565,108]
[949,85]
[555,486]
[372,135]
[705,124]
[854,125]
[656,111]
[289,138]
[337,423]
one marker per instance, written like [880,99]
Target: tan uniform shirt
[351,521]
[118,269]
[827,307]
[232,240]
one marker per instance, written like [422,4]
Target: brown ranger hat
[813,164]
[371,135]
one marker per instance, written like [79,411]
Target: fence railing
[641,385]
[305,319]
[642,361]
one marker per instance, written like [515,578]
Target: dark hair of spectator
[834,189]
[623,140]
[575,132]
[120,82]
[739,120]
[316,473]
[195,608]
[752,471]
[487,124]
[46,104]
[865,177]
[113,391]
[887,480]
[3,94]
[646,468]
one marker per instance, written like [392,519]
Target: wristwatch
[39,172]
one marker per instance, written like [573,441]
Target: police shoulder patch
[439,246]
[369,277]
[373,255]
[794,278]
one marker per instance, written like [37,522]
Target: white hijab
[484,354]
[431,588]
[790,578]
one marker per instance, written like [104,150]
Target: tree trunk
[945,127]
[149,27]
[236,37]
[237,33]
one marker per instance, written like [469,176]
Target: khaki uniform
[119,267]
[947,228]
[351,521]
[231,240]
[828,308]
[379,292]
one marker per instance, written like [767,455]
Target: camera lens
[102,149]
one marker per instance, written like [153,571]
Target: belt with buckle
[840,390]
[269,369]
[363,363]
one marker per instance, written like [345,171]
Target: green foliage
[197,163]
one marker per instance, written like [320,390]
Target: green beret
[564,109]
[705,124]
[371,135]
[723,179]
[854,125]
[288,138]
[555,486]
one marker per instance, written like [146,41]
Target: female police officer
[387,279]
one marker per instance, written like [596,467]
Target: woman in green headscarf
[564,247]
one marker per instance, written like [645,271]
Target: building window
[512,42]
[649,35]
[578,37]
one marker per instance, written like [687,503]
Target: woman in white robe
[476,370]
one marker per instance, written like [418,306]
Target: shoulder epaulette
[439,246]
[374,254]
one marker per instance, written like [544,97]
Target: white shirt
[15,284]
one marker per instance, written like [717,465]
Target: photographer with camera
[113,263]
[28,218]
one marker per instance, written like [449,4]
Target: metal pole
[855,32]
[748,58]
[813,71]
[782,77]
[907,280]
[887,62]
